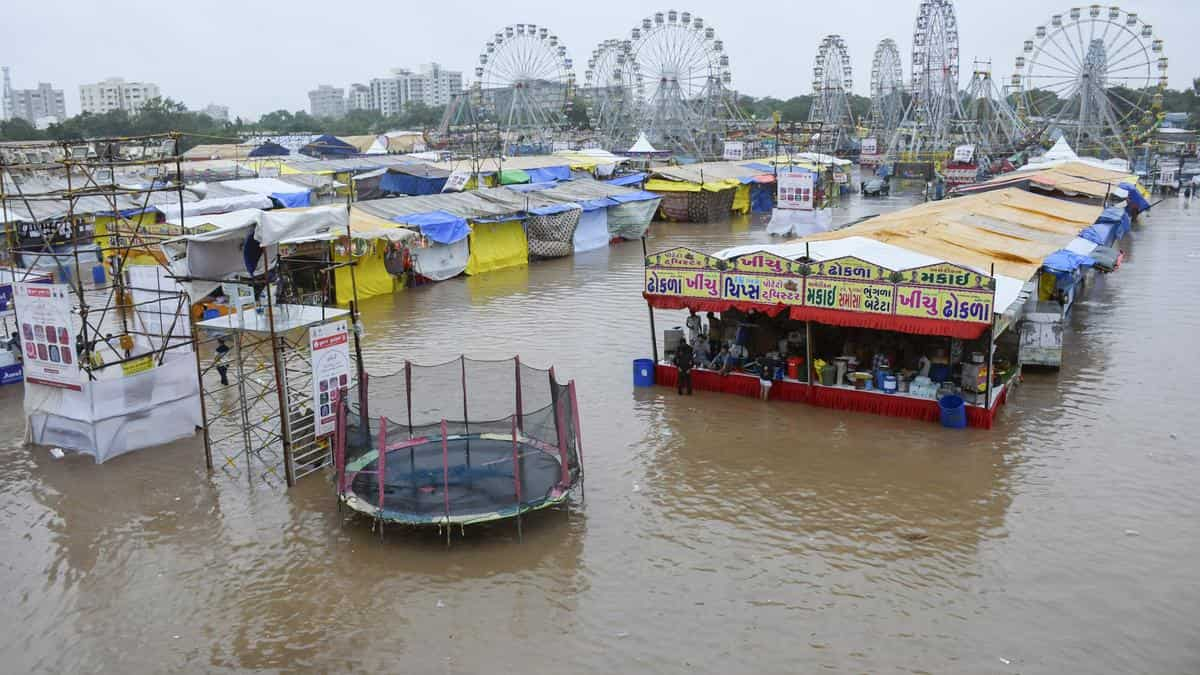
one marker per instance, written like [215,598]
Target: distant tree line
[164,114]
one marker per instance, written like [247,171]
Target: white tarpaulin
[440,261]
[218,205]
[592,231]
[160,308]
[787,223]
[110,417]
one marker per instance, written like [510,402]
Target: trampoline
[439,464]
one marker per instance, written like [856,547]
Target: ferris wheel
[1096,74]
[935,70]
[682,70]
[832,81]
[613,88]
[525,79]
[887,88]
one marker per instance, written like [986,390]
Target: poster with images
[869,146]
[47,335]
[796,191]
[329,345]
[734,151]
[457,182]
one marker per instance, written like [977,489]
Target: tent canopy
[329,146]
[269,149]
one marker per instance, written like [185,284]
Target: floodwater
[718,534]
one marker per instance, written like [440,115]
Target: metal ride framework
[682,87]
[526,81]
[85,214]
[887,90]
[1096,75]
[833,79]
[993,120]
[613,90]
[928,130]
[51,199]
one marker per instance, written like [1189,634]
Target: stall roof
[220,151]
[490,165]
[707,172]
[349,165]
[1011,229]
[1068,178]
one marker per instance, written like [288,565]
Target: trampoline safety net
[464,441]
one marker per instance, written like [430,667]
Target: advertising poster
[47,336]
[735,151]
[869,146]
[796,191]
[329,345]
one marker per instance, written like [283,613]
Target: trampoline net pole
[408,394]
[339,449]
[516,471]
[381,464]
[363,392]
[575,426]
[446,476]
[560,425]
[520,411]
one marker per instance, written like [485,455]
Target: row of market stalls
[892,314]
[394,243]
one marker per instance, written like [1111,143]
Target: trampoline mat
[479,481]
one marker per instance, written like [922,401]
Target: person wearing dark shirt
[684,359]
[222,367]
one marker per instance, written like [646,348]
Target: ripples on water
[718,534]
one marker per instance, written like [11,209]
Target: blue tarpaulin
[530,187]
[594,204]
[408,184]
[631,179]
[269,149]
[762,198]
[1135,197]
[639,196]
[549,173]
[440,226]
[552,209]
[328,146]
[1063,262]
[291,200]
[759,166]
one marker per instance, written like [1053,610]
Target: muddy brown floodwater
[719,534]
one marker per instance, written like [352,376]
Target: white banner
[47,334]
[457,181]
[560,146]
[159,305]
[735,151]
[330,349]
[796,191]
[964,154]
[869,146]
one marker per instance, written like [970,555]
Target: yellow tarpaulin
[741,199]
[661,185]
[496,246]
[370,276]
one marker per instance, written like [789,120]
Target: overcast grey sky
[261,56]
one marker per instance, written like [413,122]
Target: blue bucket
[643,372]
[98,275]
[954,412]
[210,314]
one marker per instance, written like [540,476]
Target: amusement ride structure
[832,83]
[1094,74]
[613,90]
[887,90]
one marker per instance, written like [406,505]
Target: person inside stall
[718,359]
[766,376]
[716,332]
[684,360]
[693,326]
[738,353]
[222,368]
[700,349]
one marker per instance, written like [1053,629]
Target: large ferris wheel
[934,87]
[525,80]
[832,82]
[613,90]
[681,74]
[1095,74]
[887,89]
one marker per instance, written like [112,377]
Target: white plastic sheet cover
[160,309]
[204,207]
[440,261]
[592,231]
[632,219]
[786,222]
[277,226]
[114,416]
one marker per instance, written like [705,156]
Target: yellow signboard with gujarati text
[684,283]
[849,296]
[944,304]
[763,288]
[764,263]
[946,275]
[684,258]
[136,366]
[851,269]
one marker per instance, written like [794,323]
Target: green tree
[18,129]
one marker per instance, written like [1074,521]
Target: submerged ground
[719,534]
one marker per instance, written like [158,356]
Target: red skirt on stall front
[837,398]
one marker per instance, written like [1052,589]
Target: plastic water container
[98,274]
[889,384]
[954,412]
[793,367]
[643,372]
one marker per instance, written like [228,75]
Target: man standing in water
[684,359]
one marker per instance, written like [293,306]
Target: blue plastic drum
[643,372]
